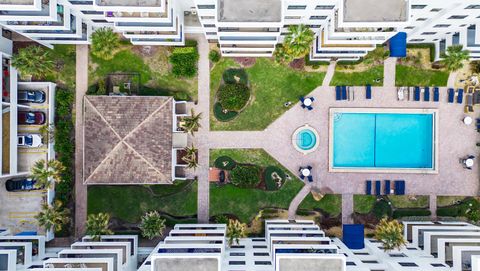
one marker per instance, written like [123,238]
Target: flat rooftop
[130,3]
[182,264]
[249,10]
[306,264]
[384,11]
[16,2]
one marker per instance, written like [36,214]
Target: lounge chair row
[343,93]
[399,187]
[452,93]
[416,94]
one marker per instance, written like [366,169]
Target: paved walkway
[80,188]
[389,69]
[451,79]
[347,208]
[292,209]
[329,74]
[433,206]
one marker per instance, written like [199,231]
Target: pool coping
[317,139]
[433,170]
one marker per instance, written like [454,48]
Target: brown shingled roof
[127,140]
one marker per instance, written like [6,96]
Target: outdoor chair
[436,94]
[313,99]
[387,187]
[302,99]
[468,103]
[309,108]
[368,187]
[344,93]
[338,93]
[368,92]
[426,94]
[309,167]
[303,106]
[310,179]
[400,94]
[451,95]
[460,96]
[416,94]
[378,188]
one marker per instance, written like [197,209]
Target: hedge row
[225,162]
[233,97]
[223,116]
[184,61]
[410,212]
[245,176]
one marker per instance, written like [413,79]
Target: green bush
[234,76]
[382,208]
[222,116]
[233,97]
[225,162]
[271,175]
[245,176]
[190,43]
[184,61]
[410,212]
[448,211]
[214,56]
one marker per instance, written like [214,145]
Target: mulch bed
[245,62]
[297,64]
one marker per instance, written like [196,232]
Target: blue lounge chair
[344,92]
[436,94]
[369,92]
[402,187]
[378,188]
[399,187]
[426,94]
[338,93]
[387,187]
[416,94]
[451,95]
[368,187]
[460,96]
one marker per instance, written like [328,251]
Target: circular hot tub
[305,139]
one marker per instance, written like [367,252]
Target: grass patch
[409,76]
[258,157]
[363,204]
[409,201]
[65,57]
[271,84]
[246,202]
[358,78]
[331,204]
[129,203]
[443,201]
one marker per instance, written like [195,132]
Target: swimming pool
[305,139]
[382,140]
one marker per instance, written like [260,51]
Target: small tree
[42,171]
[33,61]
[53,217]
[191,157]
[104,43]
[390,233]
[152,225]
[192,123]
[235,231]
[454,57]
[97,225]
[214,56]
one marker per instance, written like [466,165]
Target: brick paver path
[347,208]
[292,209]
[389,69]
[80,188]
[433,206]
[329,74]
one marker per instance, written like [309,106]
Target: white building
[344,30]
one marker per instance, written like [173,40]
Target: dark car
[31,96]
[16,185]
[31,117]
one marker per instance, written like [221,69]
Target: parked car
[31,96]
[31,117]
[23,184]
[29,140]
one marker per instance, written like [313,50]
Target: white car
[29,140]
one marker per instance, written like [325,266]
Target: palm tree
[53,216]
[192,123]
[235,231]
[454,57]
[97,225]
[190,157]
[390,233]
[104,43]
[152,225]
[42,172]
[33,61]
[298,41]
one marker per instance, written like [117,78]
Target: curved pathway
[292,209]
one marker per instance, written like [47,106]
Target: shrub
[104,43]
[382,209]
[220,115]
[184,61]
[274,178]
[410,212]
[475,66]
[225,162]
[233,76]
[214,56]
[245,176]
[190,43]
[448,211]
[233,97]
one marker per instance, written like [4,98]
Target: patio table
[467,120]
[307,102]
[469,162]
[306,172]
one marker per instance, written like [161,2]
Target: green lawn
[363,204]
[129,203]
[65,57]
[409,202]
[409,76]
[443,201]
[258,157]
[342,78]
[246,203]
[331,204]
[272,85]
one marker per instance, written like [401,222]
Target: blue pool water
[306,139]
[383,140]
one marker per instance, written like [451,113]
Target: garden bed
[468,208]
[372,76]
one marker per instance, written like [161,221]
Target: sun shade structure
[127,140]
[398,45]
[353,236]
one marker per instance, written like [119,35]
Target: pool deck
[455,140]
